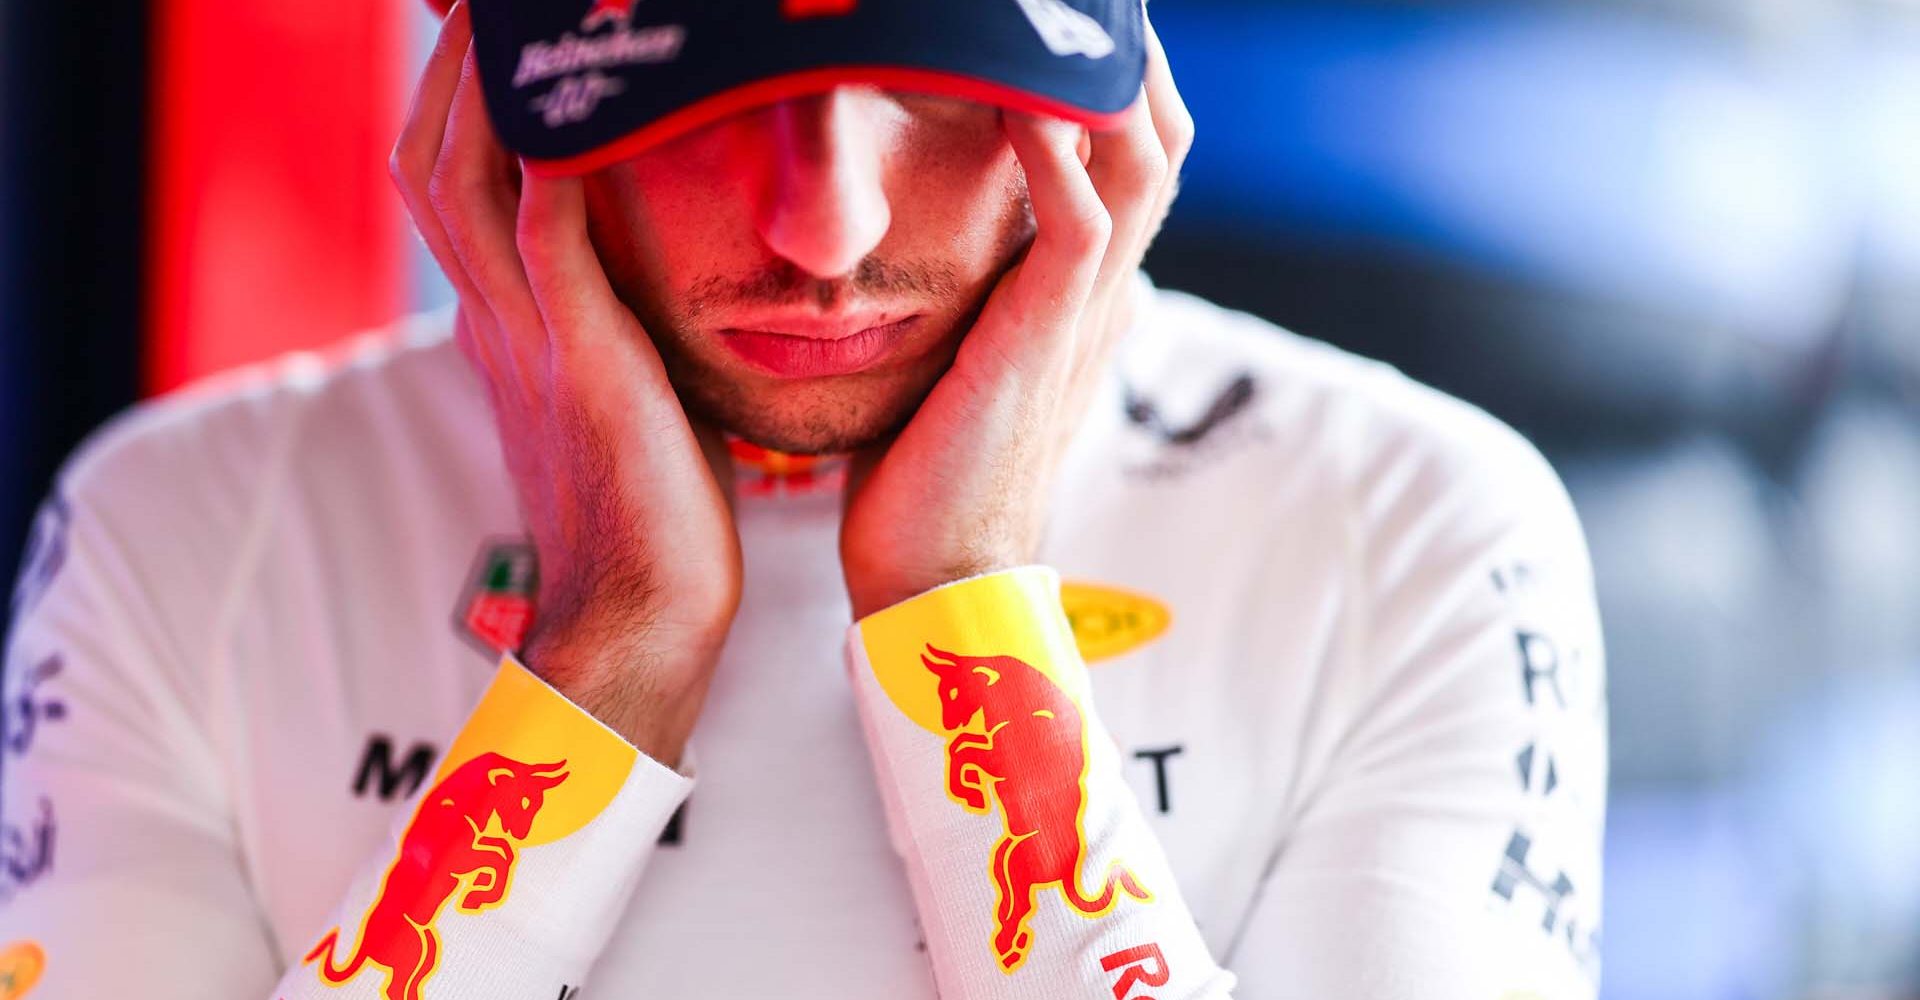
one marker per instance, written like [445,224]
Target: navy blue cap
[573,85]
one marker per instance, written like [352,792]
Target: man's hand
[962,489]
[640,567]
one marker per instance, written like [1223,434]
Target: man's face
[763,251]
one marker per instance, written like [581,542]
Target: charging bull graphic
[463,836]
[1027,751]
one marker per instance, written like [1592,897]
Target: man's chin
[808,440]
[804,419]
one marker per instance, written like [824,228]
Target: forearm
[513,866]
[1033,868]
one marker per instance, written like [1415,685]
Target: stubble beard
[826,416]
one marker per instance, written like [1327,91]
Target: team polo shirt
[1303,696]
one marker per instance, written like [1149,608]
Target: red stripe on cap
[796,9]
[813,81]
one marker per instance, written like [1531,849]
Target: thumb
[713,447]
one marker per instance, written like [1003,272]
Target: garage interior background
[1676,242]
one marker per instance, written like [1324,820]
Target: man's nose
[823,205]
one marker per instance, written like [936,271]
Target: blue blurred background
[1676,242]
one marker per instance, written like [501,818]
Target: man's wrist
[650,697]
[874,592]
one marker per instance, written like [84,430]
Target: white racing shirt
[1304,698]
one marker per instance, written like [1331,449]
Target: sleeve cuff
[521,854]
[523,723]
[1022,604]
[575,715]
[602,805]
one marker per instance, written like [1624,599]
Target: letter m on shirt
[379,772]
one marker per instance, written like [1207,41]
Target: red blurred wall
[273,224]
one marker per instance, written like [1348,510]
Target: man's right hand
[627,502]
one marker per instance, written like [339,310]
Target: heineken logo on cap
[579,59]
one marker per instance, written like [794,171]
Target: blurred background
[1675,242]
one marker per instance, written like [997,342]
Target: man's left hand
[963,488]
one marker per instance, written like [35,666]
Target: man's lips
[814,326]
[814,348]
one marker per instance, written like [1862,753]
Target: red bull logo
[618,12]
[763,472]
[462,841]
[1019,743]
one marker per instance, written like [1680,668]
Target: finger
[569,282]
[426,121]
[411,166]
[1170,115]
[1172,120]
[587,324]
[1128,167]
[474,346]
[418,146]
[1041,302]
[472,194]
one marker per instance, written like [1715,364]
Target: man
[785,387]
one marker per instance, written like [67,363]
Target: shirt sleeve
[514,864]
[1031,865]
[120,874]
[1451,847]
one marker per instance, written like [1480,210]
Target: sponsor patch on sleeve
[1109,622]
[989,667]
[529,768]
[21,964]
